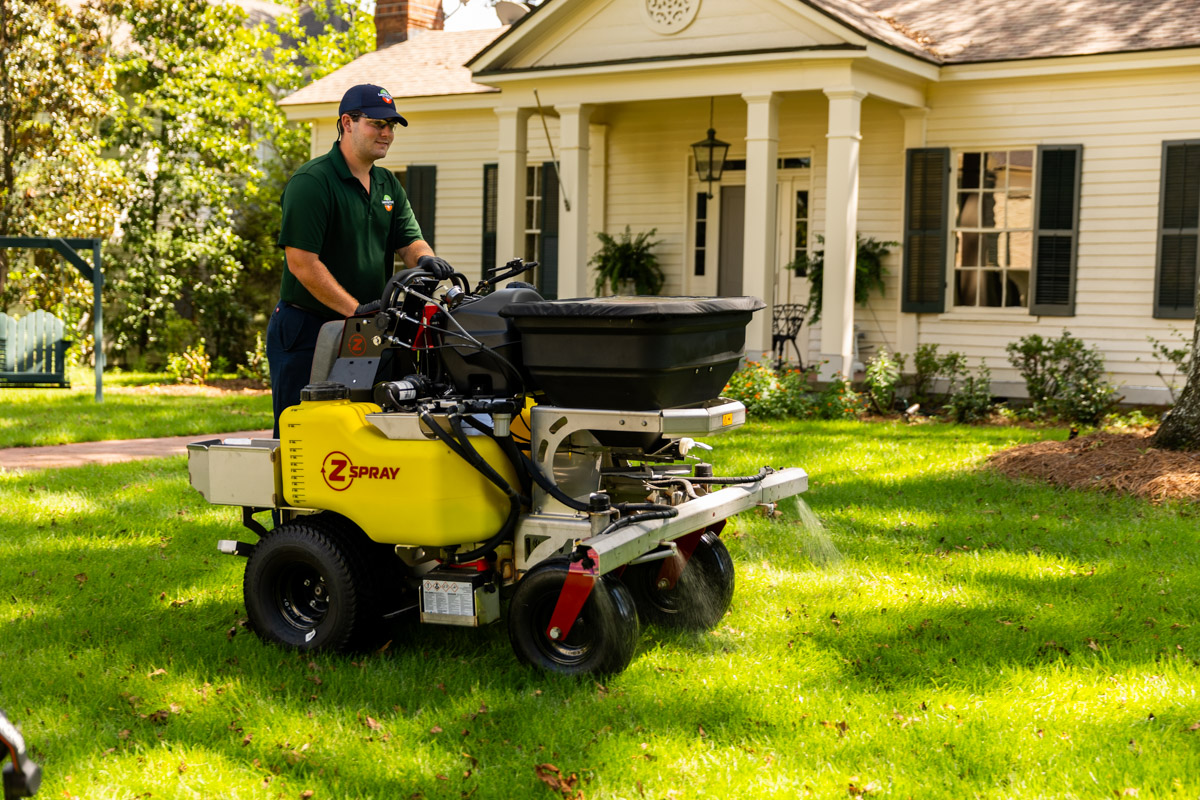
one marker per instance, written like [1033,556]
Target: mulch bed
[1117,462]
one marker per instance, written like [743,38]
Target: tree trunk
[1180,430]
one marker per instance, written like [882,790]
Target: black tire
[301,590]
[699,598]
[602,640]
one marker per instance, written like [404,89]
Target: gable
[604,31]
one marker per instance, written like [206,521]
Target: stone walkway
[77,455]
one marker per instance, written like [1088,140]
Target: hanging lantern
[710,154]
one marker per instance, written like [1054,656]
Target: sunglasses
[378,124]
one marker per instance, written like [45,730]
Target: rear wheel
[300,589]
[602,638]
[698,600]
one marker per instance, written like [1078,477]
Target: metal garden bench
[33,351]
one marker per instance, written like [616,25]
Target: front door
[732,239]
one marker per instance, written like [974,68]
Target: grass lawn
[134,407]
[953,634]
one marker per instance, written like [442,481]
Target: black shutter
[491,173]
[1179,231]
[421,187]
[1056,230]
[548,257]
[926,207]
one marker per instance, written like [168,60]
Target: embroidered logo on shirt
[388,202]
[387,98]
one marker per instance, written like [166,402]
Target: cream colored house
[1038,159]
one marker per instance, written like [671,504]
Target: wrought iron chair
[786,321]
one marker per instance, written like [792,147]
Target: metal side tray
[237,472]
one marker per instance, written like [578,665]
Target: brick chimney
[397,20]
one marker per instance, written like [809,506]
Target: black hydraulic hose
[510,449]
[541,480]
[485,469]
[663,513]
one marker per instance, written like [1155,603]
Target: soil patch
[1110,461]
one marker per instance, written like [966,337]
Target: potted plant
[869,272]
[624,263]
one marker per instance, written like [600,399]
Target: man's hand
[367,308]
[435,266]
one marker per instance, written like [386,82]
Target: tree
[1180,429]
[55,88]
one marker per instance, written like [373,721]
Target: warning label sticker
[448,597]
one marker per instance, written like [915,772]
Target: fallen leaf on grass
[157,672]
[436,729]
[553,778]
[859,791]
[372,724]
[82,578]
[307,793]
[1194,727]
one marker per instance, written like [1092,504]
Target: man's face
[368,139]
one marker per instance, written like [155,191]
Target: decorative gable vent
[670,16]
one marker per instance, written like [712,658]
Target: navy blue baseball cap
[372,102]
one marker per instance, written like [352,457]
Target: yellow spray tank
[410,489]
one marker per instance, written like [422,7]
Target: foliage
[1180,358]
[1063,377]
[869,272]
[56,85]
[170,146]
[882,379]
[970,396]
[627,259]
[839,400]
[769,394]
[190,366]
[256,366]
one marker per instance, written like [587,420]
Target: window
[533,212]
[539,224]
[800,251]
[490,190]
[1179,231]
[701,232]
[1010,220]
[993,228]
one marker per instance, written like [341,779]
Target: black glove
[367,308]
[435,266]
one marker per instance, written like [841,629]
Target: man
[343,219]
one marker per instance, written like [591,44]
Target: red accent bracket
[673,566]
[581,577]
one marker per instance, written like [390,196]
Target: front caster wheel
[602,639]
[300,590]
[698,600]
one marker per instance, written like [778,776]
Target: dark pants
[291,342]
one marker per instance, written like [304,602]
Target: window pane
[531,181]
[1020,211]
[701,233]
[801,235]
[966,282]
[994,171]
[987,210]
[701,205]
[530,214]
[968,170]
[801,205]
[531,247]
[1016,290]
[966,249]
[1020,249]
[991,250]
[968,210]
[991,288]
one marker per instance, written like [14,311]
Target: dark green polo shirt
[327,211]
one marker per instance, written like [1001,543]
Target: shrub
[1063,377]
[190,366]
[767,393]
[1180,358]
[882,378]
[869,272]
[256,367]
[970,396]
[839,400]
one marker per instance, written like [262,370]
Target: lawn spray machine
[454,448]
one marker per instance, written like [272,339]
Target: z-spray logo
[339,472]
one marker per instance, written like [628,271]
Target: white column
[573,201]
[907,324]
[841,225]
[758,249]
[510,184]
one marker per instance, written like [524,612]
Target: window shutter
[548,257]
[1179,231]
[1056,230]
[421,187]
[491,173]
[926,204]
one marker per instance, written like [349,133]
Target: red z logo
[334,471]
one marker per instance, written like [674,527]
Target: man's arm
[412,252]
[317,279]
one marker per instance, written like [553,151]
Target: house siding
[1121,120]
